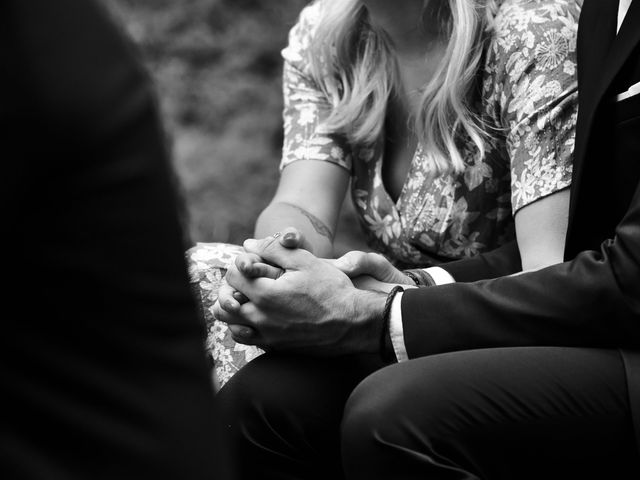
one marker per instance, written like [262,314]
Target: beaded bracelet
[386,347]
[420,277]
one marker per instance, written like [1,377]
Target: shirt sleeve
[440,276]
[533,79]
[396,332]
[306,106]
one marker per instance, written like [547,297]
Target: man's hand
[312,307]
[371,271]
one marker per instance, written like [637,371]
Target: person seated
[452,124]
[511,377]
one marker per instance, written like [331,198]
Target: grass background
[217,68]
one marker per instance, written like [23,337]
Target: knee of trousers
[263,392]
[386,418]
[279,400]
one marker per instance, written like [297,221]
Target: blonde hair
[354,64]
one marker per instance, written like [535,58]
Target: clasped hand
[281,297]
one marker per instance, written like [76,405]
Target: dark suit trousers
[510,413]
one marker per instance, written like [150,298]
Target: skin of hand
[252,266]
[371,271]
[312,307]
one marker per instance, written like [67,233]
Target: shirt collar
[623,8]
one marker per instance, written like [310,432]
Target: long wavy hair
[354,64]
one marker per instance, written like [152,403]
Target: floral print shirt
[528,95]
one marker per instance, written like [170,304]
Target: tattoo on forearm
[318,225]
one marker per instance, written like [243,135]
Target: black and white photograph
[320,239]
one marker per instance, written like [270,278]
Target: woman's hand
[370,271]
[249,265]
[252,265]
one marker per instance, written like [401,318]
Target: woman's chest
[398,147]
[400,140]
[446,216]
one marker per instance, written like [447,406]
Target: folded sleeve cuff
[396,330]
[440,276]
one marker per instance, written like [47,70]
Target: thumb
[252,266]
[353,264]
[291,238]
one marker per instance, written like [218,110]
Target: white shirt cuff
[440,275]
[395,329]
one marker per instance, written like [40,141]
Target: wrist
[420,277]
[368,312]
[387,351]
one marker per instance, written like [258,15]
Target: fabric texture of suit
[102,363]
[593,299]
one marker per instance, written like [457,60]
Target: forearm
[502,261]
[579,303]
[318,237]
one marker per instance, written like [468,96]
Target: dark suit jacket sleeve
[502,261]
[593,300]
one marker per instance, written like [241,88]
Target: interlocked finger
[252,266]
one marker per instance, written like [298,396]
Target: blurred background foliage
[217,67]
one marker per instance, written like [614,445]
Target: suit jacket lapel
[596,33]
[627,39]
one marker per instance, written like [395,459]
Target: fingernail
[245,332]
[289,236]
[237,295]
